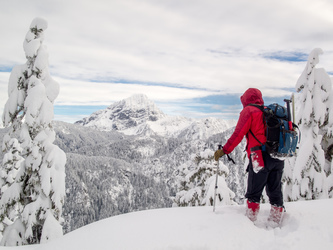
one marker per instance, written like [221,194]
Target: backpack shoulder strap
[261,107]
[256,138]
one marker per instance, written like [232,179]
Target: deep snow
[306,225]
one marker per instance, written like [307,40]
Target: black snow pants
[270,177]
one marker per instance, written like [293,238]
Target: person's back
[264,171]
[250,119]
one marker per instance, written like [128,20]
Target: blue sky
[192,58]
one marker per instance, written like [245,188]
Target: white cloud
[205,47]
[74,92]
[69,118]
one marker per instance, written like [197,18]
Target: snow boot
[275,216]
[252,210]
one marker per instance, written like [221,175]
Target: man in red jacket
[264,171]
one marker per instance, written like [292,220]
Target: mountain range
[137,115]
[125,158]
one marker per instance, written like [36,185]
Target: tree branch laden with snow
[196,182]
[314,87]
[33,175]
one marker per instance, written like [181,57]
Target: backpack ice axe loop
[287,101]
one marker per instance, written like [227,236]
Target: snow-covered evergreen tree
[314,87]
[10,167]
[196,182]
[33,171]
[327,143]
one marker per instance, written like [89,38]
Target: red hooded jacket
[250,118]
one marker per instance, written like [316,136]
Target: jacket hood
[252,96]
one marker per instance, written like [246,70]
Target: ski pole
[217,176]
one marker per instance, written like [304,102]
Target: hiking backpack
[281,133]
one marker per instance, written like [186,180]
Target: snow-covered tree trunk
[31,205]
[287,178]
[196,182]
[314,87]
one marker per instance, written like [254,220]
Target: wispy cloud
[185,51]
[293,56]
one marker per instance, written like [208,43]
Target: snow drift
[306,225]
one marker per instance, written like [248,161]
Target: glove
[219,153]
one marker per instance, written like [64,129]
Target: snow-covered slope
[306,225]
[204,128]
[138,115]
[99,162]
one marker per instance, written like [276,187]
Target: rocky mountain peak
[128,113]
[137,115]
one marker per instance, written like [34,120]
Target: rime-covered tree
[196,182]
[32,198]
[327,143]
[11,165]
[314,88]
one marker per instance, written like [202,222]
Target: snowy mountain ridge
[137,115]
[100,162]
